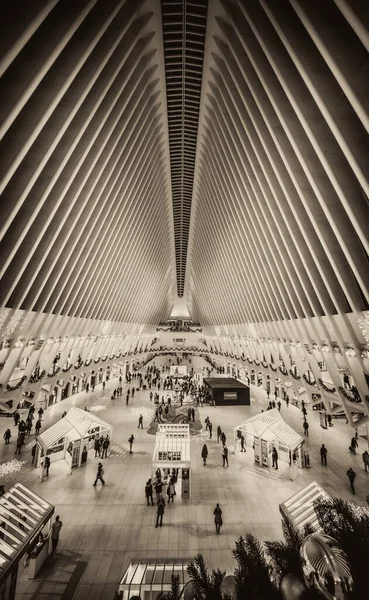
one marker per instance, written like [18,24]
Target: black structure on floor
[228,391]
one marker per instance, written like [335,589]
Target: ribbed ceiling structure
[184,30]
[85,212]
[280,220]
[153,149]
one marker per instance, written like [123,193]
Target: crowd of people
[24,427]
[163,484]
[101,446]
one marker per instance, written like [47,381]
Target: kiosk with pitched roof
[25,525]
[71,438]
[172,451]
[268,429]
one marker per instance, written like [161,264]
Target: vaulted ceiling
[211,150]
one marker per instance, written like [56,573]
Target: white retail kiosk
[25,525]
[145,578]
[299,508]
[268,429]
[172,451]
[71,438]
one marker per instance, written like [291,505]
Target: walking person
[351,475]
[306,428]
[40,413]
[223,438]
[225,456]
[7,436]
[55,532]
[210,425]
[38,426]
[323,455]
[275,458]
[204,453]
[99,474]
[130,441]
[242,438]
[140,422]
[219,433]
[20,442]
[47,465]
[148,493]
[218,520]
[365,457]
[33,452]
[160,511]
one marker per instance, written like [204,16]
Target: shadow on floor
[79,568]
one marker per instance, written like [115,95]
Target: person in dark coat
[225,456]
[275,458]
[351,475]
[158,488]
[323,455]
[365,457]
[97,447]
[20,443]
[242,438]
[38,426]
[204,453]
[306,428]
[55,531]
[7,436]
[105,447]
[160,511]
[148,493]
[219,433]
[130,441]
[33,452]
[99,474]
[218,520]
[47,465]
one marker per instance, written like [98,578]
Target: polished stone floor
[105,527]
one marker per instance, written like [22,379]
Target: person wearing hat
[99,474]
